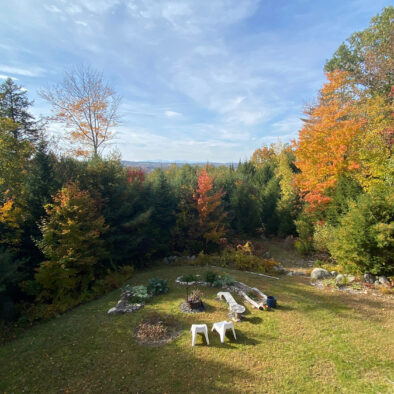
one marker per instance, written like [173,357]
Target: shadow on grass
[253,320]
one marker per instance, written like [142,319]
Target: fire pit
[194,300]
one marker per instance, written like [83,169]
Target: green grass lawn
[316,341]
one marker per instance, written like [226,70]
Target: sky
[200,80]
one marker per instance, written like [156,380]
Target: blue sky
[202,80]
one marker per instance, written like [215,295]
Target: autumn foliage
[209,207]
[326,146]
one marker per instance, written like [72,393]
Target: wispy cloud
[26,72]
[172,114]
[52,8]
[207,79]
[82,23]
[7,76]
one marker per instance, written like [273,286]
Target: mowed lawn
[316,341]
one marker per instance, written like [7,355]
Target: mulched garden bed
[157,330]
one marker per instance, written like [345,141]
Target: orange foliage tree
[209,207]
[135,175]
[326,146]
[87,106]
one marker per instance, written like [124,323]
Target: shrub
[157,286]
[189,278]
[304,227]
[138,294]
[223,280]
[322,237]
[206,259]
[210,277]
[364,239]
[328,266]
[246,262]
[113,280]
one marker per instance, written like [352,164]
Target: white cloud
[99,6]
[288,125]
[74,9]
[141,144]
[82,23]
[52,8]
[30,72]
[172,114]
[7,76]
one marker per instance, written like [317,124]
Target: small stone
[279,269]
[383,280]
[350,278]
[339,278]
[298,273]
[369,278]
[320,273]
[165,260]
[267,254]
[334,273]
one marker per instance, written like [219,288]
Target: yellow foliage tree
[88,107]
[326,146]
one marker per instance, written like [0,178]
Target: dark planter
[195,304]
[271,302]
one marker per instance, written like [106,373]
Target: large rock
[319,274]
[124,308]
[369,278]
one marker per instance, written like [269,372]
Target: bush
[189,278]
[364,239]
[246,262]
[139,293]
[157,286]
[223,280]
[322,237]
[304,227]
[210,277]
[113,280]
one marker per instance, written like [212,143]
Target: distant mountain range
[149,166]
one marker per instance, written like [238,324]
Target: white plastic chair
[222,327]
[199,328]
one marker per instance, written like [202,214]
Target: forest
[75,225]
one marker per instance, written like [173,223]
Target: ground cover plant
[315,341]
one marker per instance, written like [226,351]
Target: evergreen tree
[163,215]
[14,105]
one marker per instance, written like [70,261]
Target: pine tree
[163,215]
[14,105]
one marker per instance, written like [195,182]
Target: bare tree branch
[87,106]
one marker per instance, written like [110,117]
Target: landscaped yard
[315,341]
